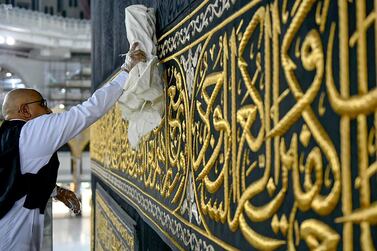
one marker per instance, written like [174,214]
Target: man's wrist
[120,79]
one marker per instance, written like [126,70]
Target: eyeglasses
[43,102]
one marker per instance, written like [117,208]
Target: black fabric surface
[109,37]
[147,238]
[109,40]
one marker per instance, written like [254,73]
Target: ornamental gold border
[107,175]
[115,219]
[184,20]
[218,27]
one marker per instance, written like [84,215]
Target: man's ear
[24,111]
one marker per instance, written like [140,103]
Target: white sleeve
[42,136]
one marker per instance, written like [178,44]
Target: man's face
[34,106]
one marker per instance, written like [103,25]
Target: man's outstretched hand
[69,198]
[133,57]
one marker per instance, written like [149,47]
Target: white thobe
[21,229]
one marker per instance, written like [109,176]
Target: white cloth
[140,24]
[142,102]
[21,229]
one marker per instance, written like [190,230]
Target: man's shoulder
[35,127]
[39,121]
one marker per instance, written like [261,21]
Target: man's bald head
[15,99]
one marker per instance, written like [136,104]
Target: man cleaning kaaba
[29,139]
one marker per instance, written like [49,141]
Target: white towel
[142,102]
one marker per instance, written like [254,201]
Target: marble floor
[72,233]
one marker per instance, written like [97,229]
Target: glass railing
[43,23]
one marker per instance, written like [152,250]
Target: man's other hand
[69,198]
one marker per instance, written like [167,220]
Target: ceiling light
[61,106]
[2,40]
[15,81]
[62,90]
[10,41]
[8,74]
